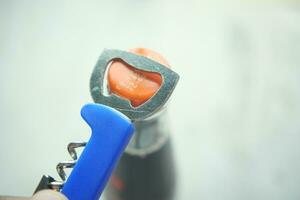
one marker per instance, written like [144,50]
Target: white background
[234,115]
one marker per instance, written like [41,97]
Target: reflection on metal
[153,105]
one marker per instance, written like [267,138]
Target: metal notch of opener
[169,81]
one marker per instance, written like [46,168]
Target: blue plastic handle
[111,132]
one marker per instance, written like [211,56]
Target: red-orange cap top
[135,85]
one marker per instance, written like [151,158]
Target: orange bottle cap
[135,85]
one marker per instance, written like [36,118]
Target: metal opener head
[152,105]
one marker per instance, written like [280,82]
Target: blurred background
[234,115]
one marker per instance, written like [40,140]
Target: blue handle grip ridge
[111,132]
